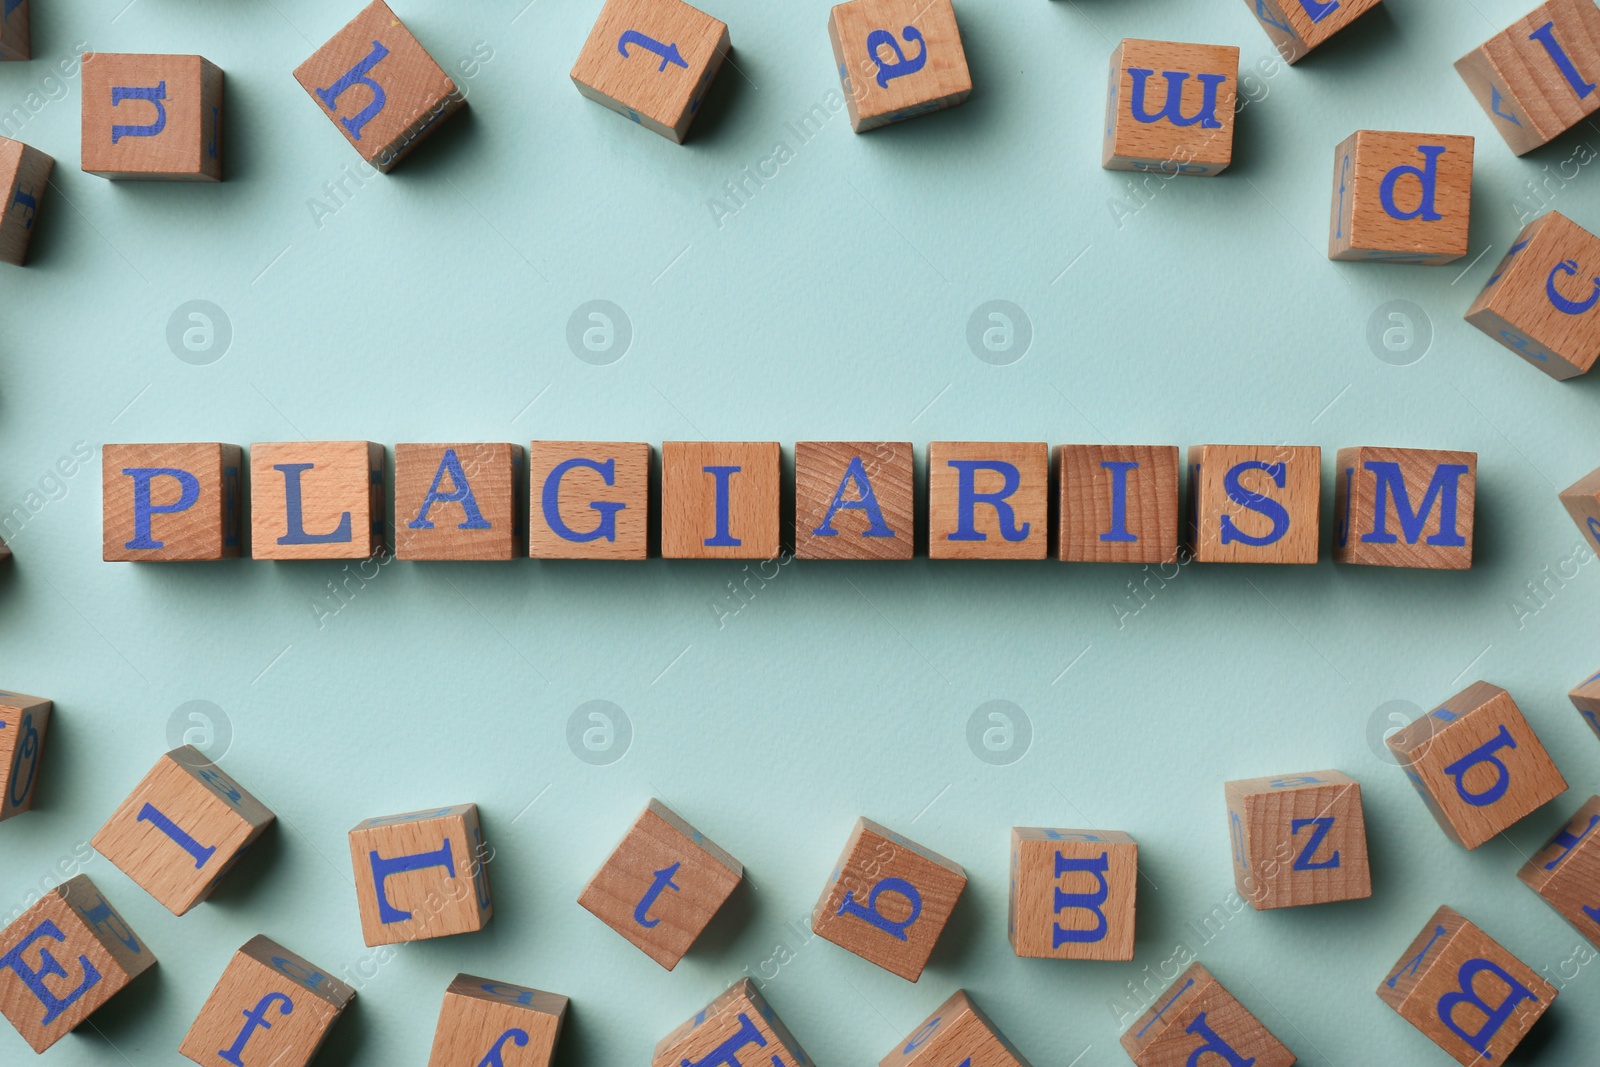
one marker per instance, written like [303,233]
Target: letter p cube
[170,502]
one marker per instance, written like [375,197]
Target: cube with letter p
[1401,198]
[170,502]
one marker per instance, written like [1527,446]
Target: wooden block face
[1170,107]
[1255,503]
[589,500]
[458,502]
[1401,198]
[379,86]
[1197,1020]
[1072,894]
[898,59]
[1405,507]
[737,1027]
[1298,839]
[888,900]
[270,1006]
[1586,698]
[24,721]
[1477,764]
[1543,301]
[14,35]
[171,502]
[152,117]
[316,500]
[1118,503]
[853,500]
[719,500]
[988,500]
[1298,26]
[957,1034]
[1582,501]
[653,61]
[488,1022]
[421,875]
[662,885]
[1566,872]
[1536,79]
[24,175]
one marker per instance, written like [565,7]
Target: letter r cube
[1072,894]
[1405,507]
[171,502]
[1298,839]
[421,875]
[152,117]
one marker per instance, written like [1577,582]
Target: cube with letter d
[588,500]
[170,502]
[420,875]
[1405,507]
[316,500]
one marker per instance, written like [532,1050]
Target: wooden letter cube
[23,722]
[1566,872]
[24,175]
[170,502]
[898,59]
[482,1022]
[316,500]
[1582,501]
[1298,26]
[1401,198]
[1536,79]
[1197,1021]
[719,500]
[421,875]
[738,1027]
[379,86]
[1586,698]
[853,500]
[157,118]
[1298,839]
[269,1007]
[888,900]
[957,1034]
[653,61]
[1255,503]
[64,958]
[1465,992]
[1072,894]
[662,885]
[1170,107]
[1543,300]
[1118,503]
[1477,764]
[988,501]
[14,37]
[460,502]
[1405,507]
[589,500]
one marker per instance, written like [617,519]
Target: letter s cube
[170,502]
[421,875]
[1298,839]
[23,721]
[957,1034]
[270,1007]
[1405,507]
[736,1028]
[1255,503]
[1543,300]
[482,1021]
[155,118]
[1198,1021]
[1072,894]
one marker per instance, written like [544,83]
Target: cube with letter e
[1170,108]
[1073,893]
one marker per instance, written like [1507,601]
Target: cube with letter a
[1197,1021]
[1405,507]
[1117,503]
[1586,698]
[988,501]
[1543,300]
[957,1034]
[898,59]
[152,117]
[1537,78]
[484,1022]
[853,500]
[589,500]
[1298,839]
[23,722]
[1170,107]
[1255,503]
[1298,26]
[1566,872]
[316,500]
[170,502]
[738,1027]
[719,499]
[1401,198]
[459,502]
[421,875]
[269,1007]
[1072,893]
[24,175]
[653,61]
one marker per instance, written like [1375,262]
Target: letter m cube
[1072,894]
[1405,507]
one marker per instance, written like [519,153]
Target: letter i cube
[1536,78]
[1543,300]
[1197,1021]
[988,500]
[719,1034]
[1586,698]
[589,500]
[1401,198]
[1170,107]
[898,59]
[957,1034]
[653,61]
[458,502]
[481,1022]
[1405,507]
[853,500]
[1298,26]
[170,502]
[156,118]
[270,1007]
[421,875]
[181,829]
[1477,764]
[316,500]
[1566,872]
[1255,504]
[1298,839]
[63,959]
[719,500]
[14,40]
[23,721]
[1465,992]
[24,175]
[1072,894]
[1117,503]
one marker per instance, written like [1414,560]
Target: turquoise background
[432,305]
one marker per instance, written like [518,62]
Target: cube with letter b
[957,1034]
[1405,507]
[719,499]
[1401,198]
[1073,893]
[24,174]
[853,500]
[487,1023]
[461,501]
[170,502]
[1543,300]
[1566,872]
[316,500]
[1255,503]
[1586,698]
[653,61]
[152,117]
[1536,78]
[1298,26]
[421,875]
[898,59]
[1118,503]
[738,1027]
[589,500]
[23,722]
[1298,839]
[988,501]
[1170,107]
[1197,1021]
[270,1006]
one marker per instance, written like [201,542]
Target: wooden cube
[1566,872]
[719,500]
[853,500]
[1543,300]
[458,502]
[421,875]
[1582,501]
[181,829]
[269,1007]
[14,37]
[1466,993]
[653,61]
[1170,107]
[24,176]
[957,1034]
[1401,197]
[589,500]
[719,1034]
[1428,494]
[155,118]
[988,501]
[379,86]
[1072,894]
[888,900]
[1117,503]
[23,723]
[1198,1021]
[170,502]
[1477,764]
[898,59]
[1586,698]
[1298,26]
[482,1021]
[316,500]
[63,959]
[1255,503]
[1536,78]
[1298,839]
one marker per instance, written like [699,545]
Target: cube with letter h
[1537,78]
[1298,26]
[24,175]
[957,1034]
[1401,198]
[1170,107]
[1196,1021]
[269,1007]
[1566,872]
[484,1023]
[152,117]
[1405,507]
[853,500]
[316,500]
[1586,698]
[988,501]
[171,502]
[1255,504]
[1298,839]
[1118,503]
[1072,894]
[23,722]
[589,500]
[1543,300]
[458,502]
[738,1027]
[898,59]
[421,875]
[719,500]
[653,61]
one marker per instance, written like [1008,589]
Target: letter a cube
[269,1007]
[14,37]
[421,875]
[1536,78]
[1072,894]
[1566,872]
[1466,993]
[484,1022]
[957,1034]
[170,502]
[63,959]
[1582,501]
[1543,300]
[653,61]
[1298,839]
[1477,764]
[738,1027]
[589,500]
[988,500]
[1405,507]
[888,900]
[316,500]
[1197,1021]
[181,829]
[1298,26]
[898,59]
[1118,503]
[1255,504]
[1586,698]
[156,118]
[458,502]
[1401,198]
[24,175]
[1170,107]
[719,500]
[853,500]
[23,721]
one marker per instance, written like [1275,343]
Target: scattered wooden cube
[1536,78]
[1171,107]
[653,61]
[898,59]
[1072,894]
[719,500]
[421,875]
[1405,507]
[1582,501]
[1477,764]
[1586,698]
[316,500]
[958,1032]
[458,502]
[737,1020]
[14,38]
[23,722]
[1566,872]
[1466,993]
[482,1021]
[24,175]
[853,500]
[1117,504]
[170,502]
[155,118]
[1198,1021]
[988,500]
[379,86]
[1401,197]
[1298,839]
[1298,26]
[63,959]
[5,551]
[1543,300]
[1255,503]
[269,1007]
[888,900]
[589,500]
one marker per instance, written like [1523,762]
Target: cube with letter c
[588,500]
[316,500]
[170,502]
